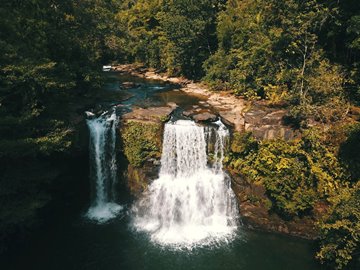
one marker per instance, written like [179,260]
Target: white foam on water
[190,204]
[103,212]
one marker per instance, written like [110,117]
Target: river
[73,241]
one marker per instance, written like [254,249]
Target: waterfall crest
[190,203]
[103,167]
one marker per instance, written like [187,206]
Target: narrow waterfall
[191,203]
[103,167]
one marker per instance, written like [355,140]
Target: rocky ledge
[264,122]
[201,114]
[153,114]
[268,123]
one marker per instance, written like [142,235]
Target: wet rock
[234,119]
[153,114]
[204,117]
[154,161]
[200,114]
[188,113]
[138,178]
[129,85]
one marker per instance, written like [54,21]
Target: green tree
[296,175]
[340,231]
[174,36]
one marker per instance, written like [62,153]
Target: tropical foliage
[301,55]
[340,231]
[296,174]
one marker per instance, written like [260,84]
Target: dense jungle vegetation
[50,61]
[301,55]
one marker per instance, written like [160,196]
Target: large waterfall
[103,167]
[191,203]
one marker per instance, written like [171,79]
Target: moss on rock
[141,140]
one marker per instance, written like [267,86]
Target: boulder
[200,114]
[172,105]
[233,118]
[204,117]
[271,132]
[153,114]
[188,113]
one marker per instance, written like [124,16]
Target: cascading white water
[190,203]
[103,167]
[220,136]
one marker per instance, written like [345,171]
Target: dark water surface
[72,242]
[78,244]
[148,92]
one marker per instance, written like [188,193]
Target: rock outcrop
[153,114]
[268,124]
[255,211]
[201,114]
[141,134]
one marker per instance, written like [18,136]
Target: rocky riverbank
[264,122]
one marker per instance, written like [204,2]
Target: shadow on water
[79,244]
[73,242]
[146,93]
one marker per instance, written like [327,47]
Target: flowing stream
[191,203]
[103,167]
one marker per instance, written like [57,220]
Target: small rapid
[191,203]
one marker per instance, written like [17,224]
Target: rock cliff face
[268,124]
[255,211]
[141,135]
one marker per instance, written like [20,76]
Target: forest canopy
[299,55]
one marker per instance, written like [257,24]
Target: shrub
[295,174]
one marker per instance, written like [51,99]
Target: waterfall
[103,167]
[191,203]
[220,137]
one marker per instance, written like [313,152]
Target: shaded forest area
[301,55]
